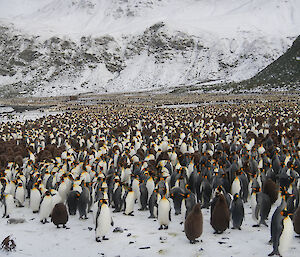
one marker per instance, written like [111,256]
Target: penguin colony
[109,159]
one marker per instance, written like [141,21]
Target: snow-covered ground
[117,17]
[8,114]
[35,239]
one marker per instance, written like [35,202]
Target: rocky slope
[283,73]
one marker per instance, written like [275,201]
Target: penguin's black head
[285,212]
[256,189]
[103,201]
[236,196]
[188,187]
[219,189]
[3,181]
[47,193]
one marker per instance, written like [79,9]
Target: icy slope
[130,45]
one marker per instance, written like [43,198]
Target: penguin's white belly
[253,206]
[62,190]
[236,187]
[46,208]
[8,189]
[56,199]
[10,204]
[129,203]
[95,208]
[286,236]
[136,189]
[150,187]
[20,195]
[103,220]
[163,212]
[35,199]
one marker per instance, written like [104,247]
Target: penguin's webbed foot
[264,223]
[194,241]
[218,232]
[256,226]
[160,228]
[98,239]
[105,238]
[57,226]
[274,253]
[151,217]
[166,227]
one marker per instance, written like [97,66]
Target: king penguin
[72,201]
[153,204]
[237,212]
[83,202]
[35,198]
[20,194]
[103,220]
[193,225]
[129,202]
[282,233]
[260,206]
[220,215]
[164,213]
[296,221]
[46,207]
[59,215]
[9,205]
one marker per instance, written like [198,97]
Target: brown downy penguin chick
[193,226]
[296,221]
[220,215]
[271,189]
[60,215]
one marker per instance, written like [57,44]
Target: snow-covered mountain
[54,47]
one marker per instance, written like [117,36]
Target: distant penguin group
[160,161]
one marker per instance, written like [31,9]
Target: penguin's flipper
[170,215]
[257,209]
[97,215]
[112,222]
[263,222]
[5,211]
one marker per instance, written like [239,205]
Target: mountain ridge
[132,45]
